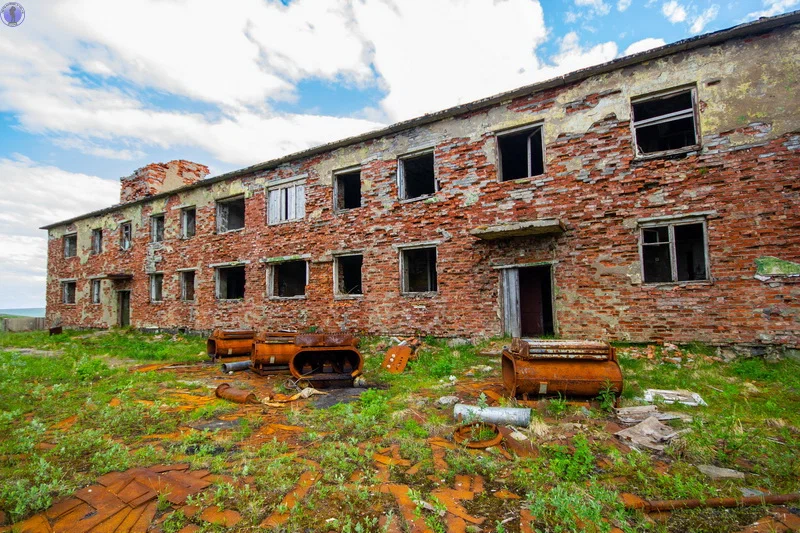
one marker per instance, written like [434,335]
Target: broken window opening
[156,287]
[417,177]
[521,154]
[188,222]
[71,245]
[95,291]
[348,275]
[125,233]
[68,290]
[230,214]
[289,279]
[665,123]
[674,252]
[348,190]
[287,204]
[97,241]
[419,270]
[230,283]
[157,228]
[187,285]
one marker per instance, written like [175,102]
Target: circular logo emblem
[12,14]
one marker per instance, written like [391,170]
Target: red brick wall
[150,180]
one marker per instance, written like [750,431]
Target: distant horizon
[24,311]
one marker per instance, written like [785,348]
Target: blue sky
[90,90]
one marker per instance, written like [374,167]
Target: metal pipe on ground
[236,366]
[746,501]
[513,416]
[226,392]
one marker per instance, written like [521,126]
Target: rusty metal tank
[316,359]
[230,343]
[550,367]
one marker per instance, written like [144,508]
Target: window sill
[281,222]
[671,284]
[527,179]
[288,297]
[425,294]
[345,210]
[230,300]
[667,153]
[417,198]
[69,304]
[125,249]
[230,231]
[187,301]
[348,296]
[70,256]
[156,302]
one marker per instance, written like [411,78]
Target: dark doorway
[536,301]
[124,308]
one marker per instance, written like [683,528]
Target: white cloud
[598,7]
[772,8]
[622,5]
[674,11]
[34,195]
[700,22]
[645,44]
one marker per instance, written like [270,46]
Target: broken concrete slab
[684,397]
[638,413]
[715,472]
[650,434]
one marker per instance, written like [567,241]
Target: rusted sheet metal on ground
[230,342]
[318,359]
[397,356]
[634,502]
[226,392]
[466,435]
[570,368]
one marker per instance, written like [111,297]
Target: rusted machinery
[318,359]
[570,368]
[230,343]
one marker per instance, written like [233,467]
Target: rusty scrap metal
[230,343]
[226,392]
[397,356]
[634,502]
[570,368]
[464,435]
[316,359]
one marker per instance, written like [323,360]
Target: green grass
[751,423]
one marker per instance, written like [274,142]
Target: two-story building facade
[652,197]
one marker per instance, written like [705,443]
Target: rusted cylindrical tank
[271,352]
[569,368]
[226,392]
[230,343]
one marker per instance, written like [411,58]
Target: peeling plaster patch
[657,198]
[768,267]
[470,198]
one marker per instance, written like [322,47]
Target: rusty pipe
[226,392]
[235,366]
[745,501]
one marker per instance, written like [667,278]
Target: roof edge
[748,28]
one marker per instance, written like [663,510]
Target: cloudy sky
[92,89]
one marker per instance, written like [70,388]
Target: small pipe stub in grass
[226,392]
[467,433]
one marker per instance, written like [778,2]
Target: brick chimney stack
[156,178]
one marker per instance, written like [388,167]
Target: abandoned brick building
[652,197]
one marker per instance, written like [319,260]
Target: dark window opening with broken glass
[348,272]
[419,270]
[188,222]
[348,190]
[230,214]
[97,241]
[230,283]
[157,228]
[289,279]
[187,285]
[156,287]
[674,253]
[125,236]
[664,123]
[417,176]
[521,154]
[95,290]
[68,294]
[70,245]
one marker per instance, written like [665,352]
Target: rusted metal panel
[570,368]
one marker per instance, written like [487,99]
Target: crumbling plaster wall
[745,176]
